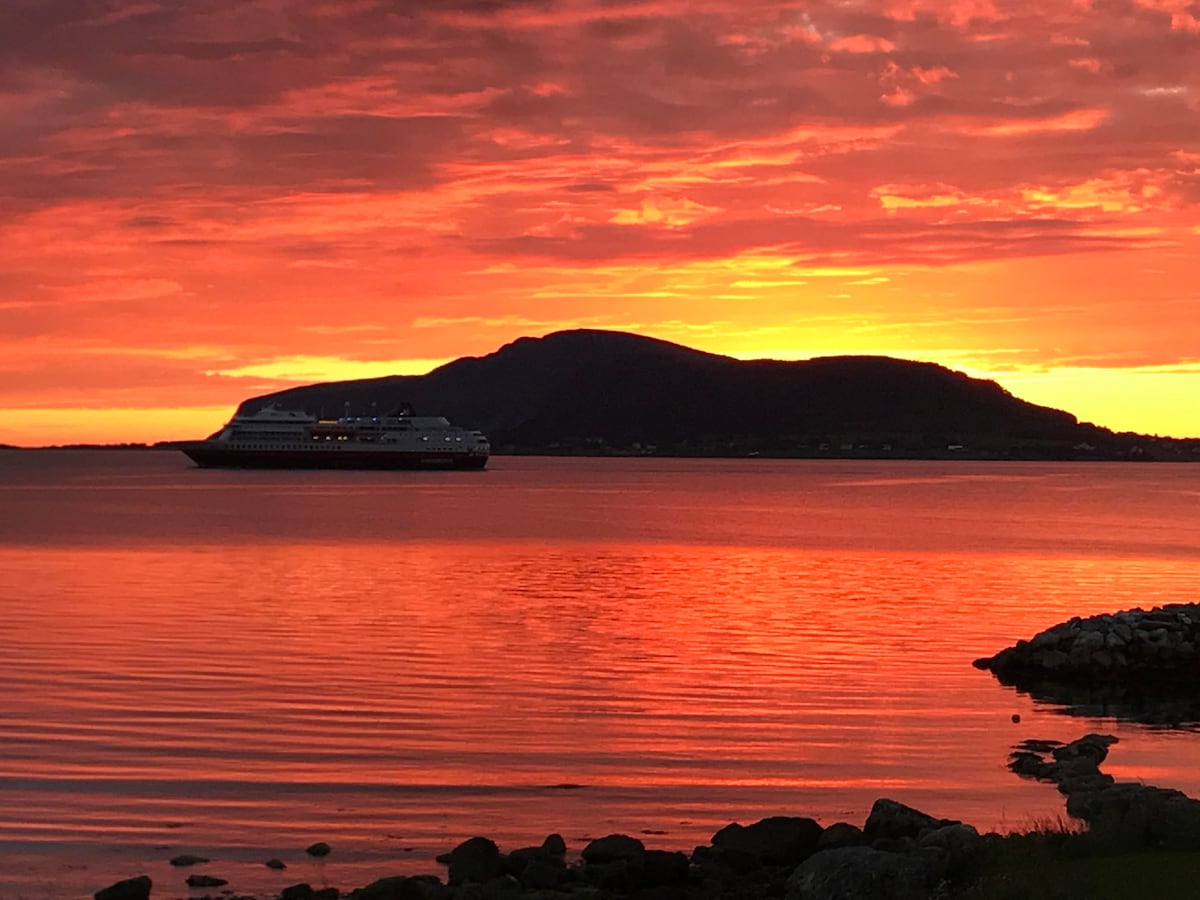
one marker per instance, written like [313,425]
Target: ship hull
[206,455]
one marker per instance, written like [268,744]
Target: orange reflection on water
[791,641]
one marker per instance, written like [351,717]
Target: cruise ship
[274,438]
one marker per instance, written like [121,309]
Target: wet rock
[319,849]
[476,859]
[187,859]
[206,881]
[860,873]
[130,889]
[1092,749]
[890,819]
[775,841]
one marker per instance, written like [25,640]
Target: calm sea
[237,664]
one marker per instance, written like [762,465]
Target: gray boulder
[860,873]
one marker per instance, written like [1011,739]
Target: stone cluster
[1155,646]
[900,853]
[1123,816]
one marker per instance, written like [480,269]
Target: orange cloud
[202,204]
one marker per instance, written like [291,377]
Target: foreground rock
[861,872]
[129,889]
[900,853]
[1121,816]
[1156,647]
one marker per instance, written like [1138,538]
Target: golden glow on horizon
[49,426]
[310,369]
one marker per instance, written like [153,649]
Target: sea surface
[238,664]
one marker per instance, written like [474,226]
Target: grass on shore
[1069,866]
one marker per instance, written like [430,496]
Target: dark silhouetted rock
[206,881]
[400,887]
[1136,664]
[320,848]
[777,841]
[841,834]
[613,848]
[892,820]
[860,873]
[718,860]
[130,889]
[955,848]
[302,891]
[476,859]
[540,874]
[275,864]
[1120,816]
[554,843]
[664,868]
[536,867]
[187,859]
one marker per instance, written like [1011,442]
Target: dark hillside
[603,391]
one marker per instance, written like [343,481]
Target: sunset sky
[207,201]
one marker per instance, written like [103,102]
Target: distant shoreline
[1177,451]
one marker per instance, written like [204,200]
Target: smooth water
[237,664]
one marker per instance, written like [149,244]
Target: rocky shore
[1155,647]
[899,853]
[1120,816]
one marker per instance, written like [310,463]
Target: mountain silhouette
[590,390]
